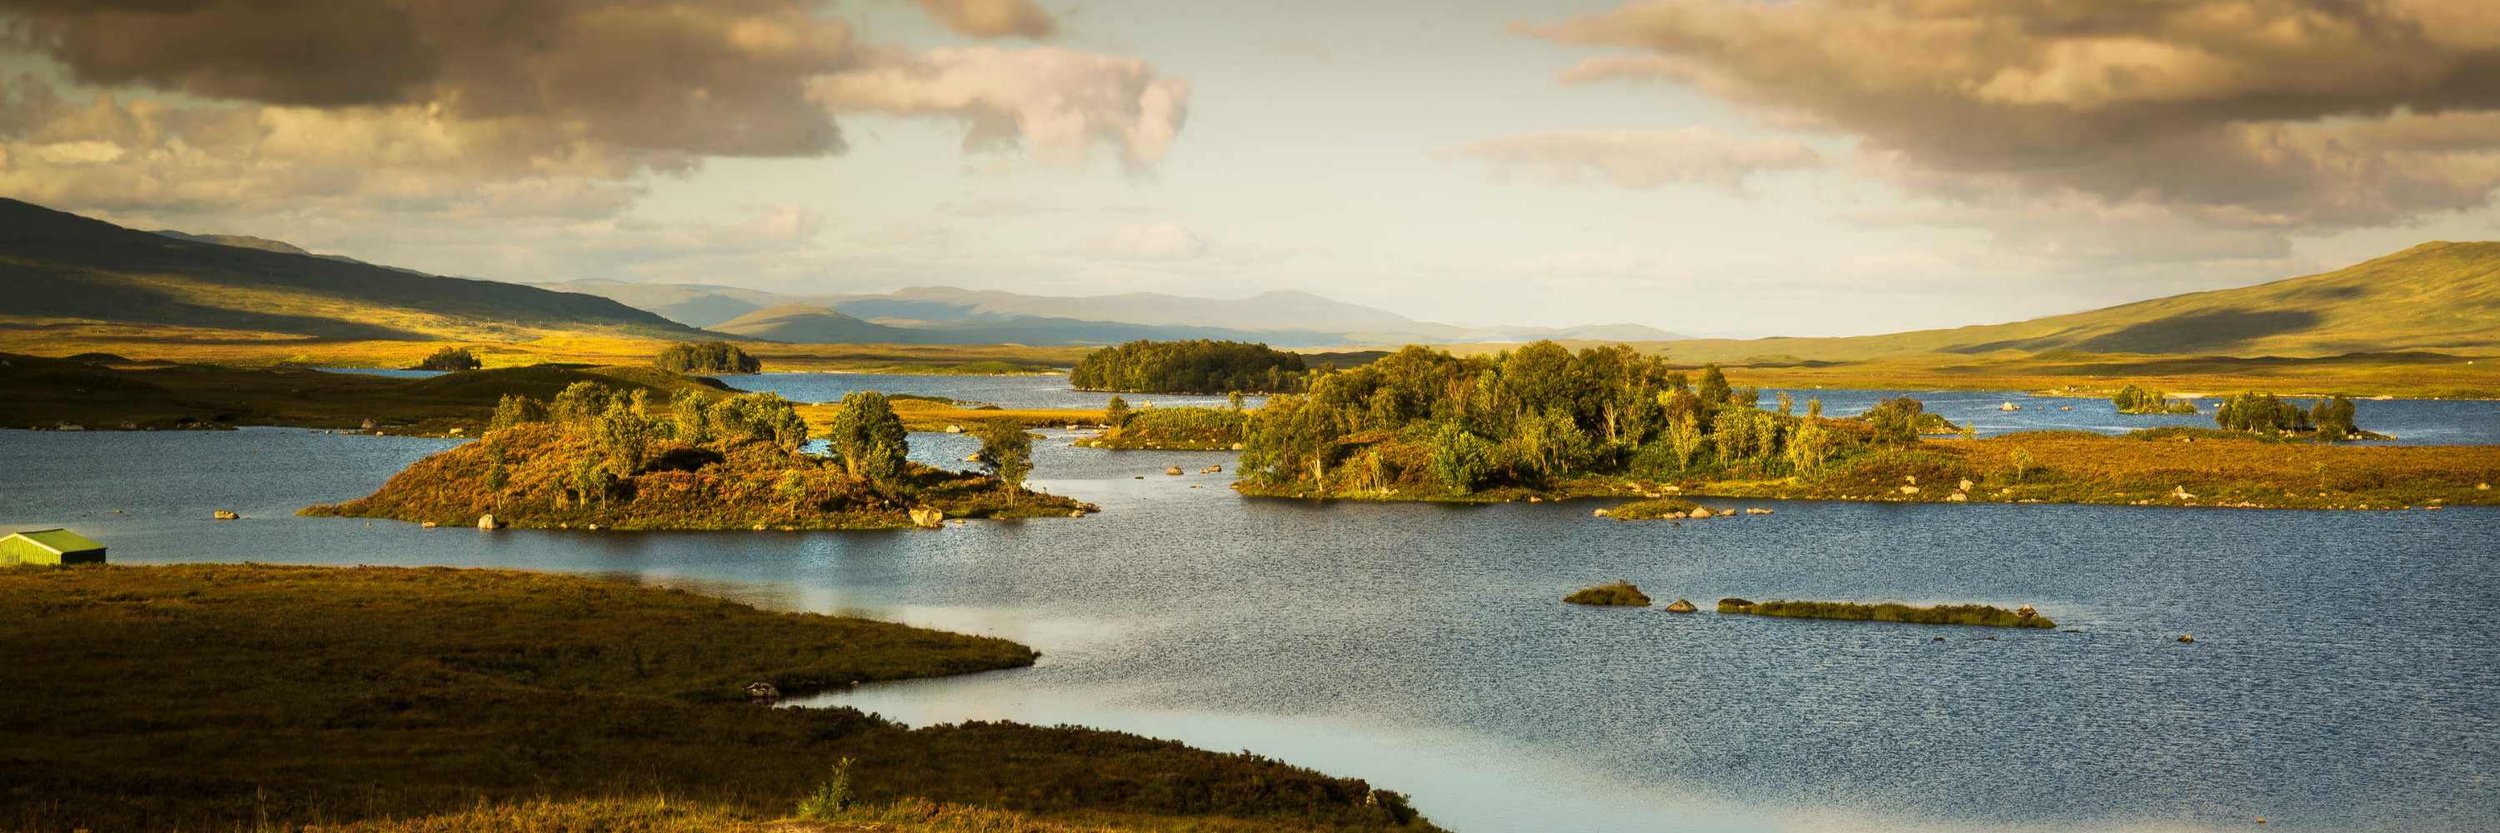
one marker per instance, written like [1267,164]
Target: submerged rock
[226,515]
[1682,606]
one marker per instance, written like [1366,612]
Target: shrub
[451,359]
[830,798]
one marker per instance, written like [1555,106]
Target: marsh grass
[225,697]
[1610,594]
[1966,614]
[1174,429]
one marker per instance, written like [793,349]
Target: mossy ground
[220,697]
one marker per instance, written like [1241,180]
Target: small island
[2135,400]
[1968,614]
[1610,594]
[597,457]
[1171,429]
[1656,509]
[1200,366]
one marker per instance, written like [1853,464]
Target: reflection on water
[2339,681]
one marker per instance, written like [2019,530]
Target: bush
[707,357]
[450,359]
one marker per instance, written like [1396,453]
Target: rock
[1911,479]
[1699,512]
[1682,606]
[2181,493]
[1957,497]
[927,517]
[1966,485]
[2025,612]
[1909,490]
[2009,406]
[1757,511]
[1535,499]
[225,515]
[591,527]
[1237,446]
[2065,407]
[457,431]
[368,425]
[1076,513]
[1174,471]
[426,525]
[1599,513]
[2482,487]
[972,458]
[763,692]
[1212,470]
[2187,638]
[954,429]
[487,521]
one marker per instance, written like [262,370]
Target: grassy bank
[101,393]
[1174,429]
[224,697]
[210,346]
[1973,615]
[923,413]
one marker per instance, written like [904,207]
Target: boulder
[1174,471]
[2009,406]
[487,521]
[226,515]
[1909,490]
[1212,470]
[426,525]
[1957,497]
[927,517]
[954,429]
[1682,606]
[1966,485]
[1699,512]
[2187,638]
[1757,511]
[1237,446]
[763,692]
[1599,513]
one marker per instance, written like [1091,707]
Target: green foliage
[1460,459]
[1115,413]
[1610,594]
[2333,418]
[451,359]
[706,357]
[1006,450]
[2136,399]
[2261,413]
[1896,421]
[1189,367]
[868,438]
[515,409]
[831,798]
[1979,615]
[1182,429]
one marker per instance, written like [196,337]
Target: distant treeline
[707,357]
[1189,367]
[1425,421]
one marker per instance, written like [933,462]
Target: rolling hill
[62,270]
[2433,297]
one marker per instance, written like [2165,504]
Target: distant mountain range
[947,315]
[58,268]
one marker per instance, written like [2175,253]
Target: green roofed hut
[49,546]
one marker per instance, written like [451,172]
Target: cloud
[1058,103]
[991,18]
[502,107]
[2288,114]
[1644,158]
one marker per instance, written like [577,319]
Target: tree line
[706,357]
[1200,366]
[1425,419]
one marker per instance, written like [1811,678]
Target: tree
[1116,414]
[1896,420]
[581,402]
[755,416]
[450,358]
[1006,450]
[1460,459]
[515,409]
[1810,445]
[1684,438]
[2334,418]
[706,357]
[1234,401]
[868,438]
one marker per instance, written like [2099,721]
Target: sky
[1709,167]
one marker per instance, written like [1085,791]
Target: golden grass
[934,415]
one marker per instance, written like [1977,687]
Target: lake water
[2343,678]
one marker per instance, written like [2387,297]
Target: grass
[523,475]
[1610,594]
[662,815]
[385,699]
[1968,614]
[1175,429]
[1653,509]
[57,336]
[45,393]
[936,414]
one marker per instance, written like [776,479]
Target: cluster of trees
[1422,418]
[706,357]
[450,359]
[2136,399]
[1189,367]
[2264,413]
[624,433]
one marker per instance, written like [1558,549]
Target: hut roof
[60,541]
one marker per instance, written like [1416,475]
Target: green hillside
[63,270]
[2433,297]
